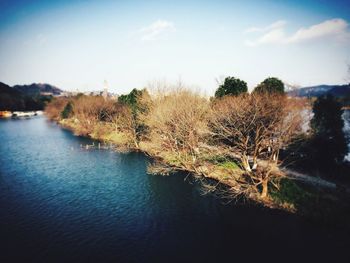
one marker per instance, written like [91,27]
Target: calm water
[59,202]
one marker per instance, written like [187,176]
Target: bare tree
[254,128]
[177,122]
[91,110]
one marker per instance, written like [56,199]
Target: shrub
[67,111]
[178,123]
[270,85]
[55,107]
[231,86]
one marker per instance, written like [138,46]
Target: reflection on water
[60,202]
[346,117]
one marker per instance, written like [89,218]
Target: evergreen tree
[270,85]
[329,145]
[231,86]
[67,111]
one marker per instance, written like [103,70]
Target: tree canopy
[67,111]
[329,144]
[270,85]
[131,98]
[231,86]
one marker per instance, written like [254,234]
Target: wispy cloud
[156,30]
[275,25]
[336,29]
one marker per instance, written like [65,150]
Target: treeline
[236,137]
[14,100]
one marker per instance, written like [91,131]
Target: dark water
[61,203]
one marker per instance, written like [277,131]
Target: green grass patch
[320,205]
[290,192]
[229,165]
[215,158]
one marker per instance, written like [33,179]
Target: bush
[178,123]
[231,86]
[67,111]
[270,85]
[55,107]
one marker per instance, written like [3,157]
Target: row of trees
[234,86]
[15,100]
[187,130]
[321,149]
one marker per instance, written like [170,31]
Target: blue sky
[79,44]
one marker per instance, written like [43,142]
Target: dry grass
[55,107]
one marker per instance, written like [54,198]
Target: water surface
[60,202]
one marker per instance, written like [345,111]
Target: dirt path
[309,179]
[313,180]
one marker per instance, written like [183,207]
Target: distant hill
[339,91]
[26,97]
[10,99]
[36,89]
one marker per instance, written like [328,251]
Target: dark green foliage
[322,152]
[15,100]
[329,144]
[270,85]
[327,115]
[35,89]
[320,205]
[67,111]
[231,86]
[131,98]
[289,191]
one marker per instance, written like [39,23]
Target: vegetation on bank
[322,151]
[25,98]
[236,138]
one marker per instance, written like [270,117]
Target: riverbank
[19,114]
[318,203]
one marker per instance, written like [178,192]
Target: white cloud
[156,30]
[335,28]
[275,25]
[273,36]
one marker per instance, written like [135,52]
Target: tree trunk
[136,143]
[246,164]
[255,163]
[264,188]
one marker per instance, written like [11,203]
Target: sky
[77,45]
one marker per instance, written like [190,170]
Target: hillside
[10,99]
[339,91]
[36,89]
[26,97]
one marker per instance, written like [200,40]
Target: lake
[62,203]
